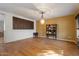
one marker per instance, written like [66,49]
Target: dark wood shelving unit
[51,30]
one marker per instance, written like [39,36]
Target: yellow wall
[66,27]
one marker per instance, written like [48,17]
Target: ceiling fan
[42,9]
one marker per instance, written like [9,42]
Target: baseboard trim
[61,39]
[68,40]
[18,40]
[46,37]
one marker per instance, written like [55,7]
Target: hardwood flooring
[41,47]
[1,43]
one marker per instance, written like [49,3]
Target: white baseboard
[69,40]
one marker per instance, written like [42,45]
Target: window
[19,23]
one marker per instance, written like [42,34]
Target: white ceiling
[32,11]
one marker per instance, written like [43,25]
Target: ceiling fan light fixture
[42,21]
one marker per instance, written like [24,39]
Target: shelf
[51,30]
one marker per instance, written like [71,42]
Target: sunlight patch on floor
[50,53]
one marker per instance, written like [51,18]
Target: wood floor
[1,42]
[41,47]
